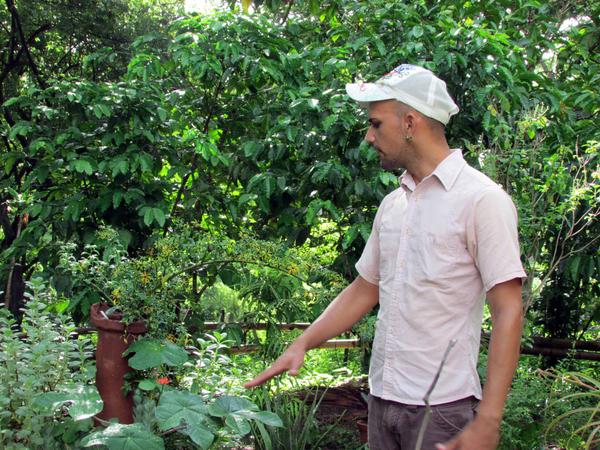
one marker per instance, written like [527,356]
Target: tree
[53,40]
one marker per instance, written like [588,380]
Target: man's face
[385,133]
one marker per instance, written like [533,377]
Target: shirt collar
[447,171]
[407,181]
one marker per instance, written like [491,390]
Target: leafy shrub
[164,286]
[523,422]
[575,412]
[551,408]
[39,358]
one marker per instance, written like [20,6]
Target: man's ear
[409,120]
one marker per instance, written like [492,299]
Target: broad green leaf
[117,198]
[97,111]
[417,31]
[200,436]
[146,162]
[268,418]
[269,185]
[350,236]
[11,101]
[314,207]
[39,144]
[148,215]
[83,401]
[21,128]
[573,267]
[177,407]
[238,424]
[148,385]
[81,166]
[159,215]
[227,404]
[125,437]
[105,109]
[251,149]
[119,165]
[151,353]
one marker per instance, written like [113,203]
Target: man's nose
[370,136]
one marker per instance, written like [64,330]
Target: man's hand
[290,361]
[357,299]
[480,434]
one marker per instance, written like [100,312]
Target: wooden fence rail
[585,350]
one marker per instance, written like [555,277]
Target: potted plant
[138,296]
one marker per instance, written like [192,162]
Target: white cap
[412,85]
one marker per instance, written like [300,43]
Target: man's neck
[427,160]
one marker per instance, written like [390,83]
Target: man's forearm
[503,352]
[356,300]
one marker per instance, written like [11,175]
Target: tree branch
[15,15]
[287,13]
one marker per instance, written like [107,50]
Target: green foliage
[524,416]
[42,368]
[241,123]
[164,286]
[165,406]
[149,353]
[188,414]
[124,437]
[556,192]
[577,423]
[300,428]
[551,408]
[213,373]
[83,401]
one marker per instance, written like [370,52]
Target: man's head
[412,85]
[408,109]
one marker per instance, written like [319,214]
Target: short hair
[434,124]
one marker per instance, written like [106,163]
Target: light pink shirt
[434,250]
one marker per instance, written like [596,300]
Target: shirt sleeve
[496,240]
[368,263]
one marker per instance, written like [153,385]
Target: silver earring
[408,138]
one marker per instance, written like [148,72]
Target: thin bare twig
[421,435]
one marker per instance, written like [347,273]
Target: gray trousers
[395,426]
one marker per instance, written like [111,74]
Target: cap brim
[367,92]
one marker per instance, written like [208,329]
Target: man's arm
[356,300]
[503,355]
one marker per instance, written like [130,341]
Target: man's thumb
[294,368]
[450,445]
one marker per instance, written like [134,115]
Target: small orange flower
[145,278]
[163,380]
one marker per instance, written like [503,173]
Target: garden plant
[183,168]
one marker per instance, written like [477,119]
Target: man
[443,239]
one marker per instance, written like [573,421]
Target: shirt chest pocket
[438,254]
